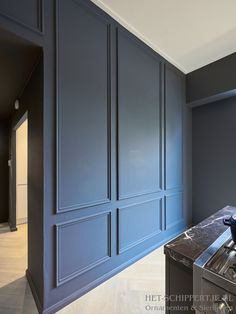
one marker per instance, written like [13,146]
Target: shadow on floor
[16,298]
[4,228]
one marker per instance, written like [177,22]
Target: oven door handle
[223,306]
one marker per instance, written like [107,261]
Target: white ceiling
[188,33]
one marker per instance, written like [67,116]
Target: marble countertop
[188,246]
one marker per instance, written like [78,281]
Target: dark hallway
[21,81]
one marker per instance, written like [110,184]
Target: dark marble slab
[187,247]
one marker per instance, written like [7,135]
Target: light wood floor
[123,294]
[126,292]
[15,294]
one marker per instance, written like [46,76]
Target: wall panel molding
[101,223]
[138,219]
[98,201]
[155,75]
[173,209]
[173,128]
[39,28]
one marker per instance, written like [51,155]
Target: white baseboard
[21,221]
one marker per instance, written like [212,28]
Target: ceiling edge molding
[134,31]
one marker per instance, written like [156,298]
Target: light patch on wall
[22,172]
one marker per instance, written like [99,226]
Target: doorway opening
[21,179]
[21,169]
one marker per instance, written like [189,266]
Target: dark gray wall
[212,82]
[17,58]
[214,155]
[187,163]
[4,170]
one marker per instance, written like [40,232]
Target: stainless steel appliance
[214,277]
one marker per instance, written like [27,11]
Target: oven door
[216,299]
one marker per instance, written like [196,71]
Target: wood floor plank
[15,294]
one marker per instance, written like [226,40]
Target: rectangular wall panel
[174,100]
[137,223]
[83,107]
[139,120]
[173,209]
[82,244]
[26,12]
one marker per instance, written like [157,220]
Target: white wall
[21,173]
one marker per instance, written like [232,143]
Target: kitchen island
[181,254]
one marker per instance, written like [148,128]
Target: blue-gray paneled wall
[119,150]
[115,132]
[214,155]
